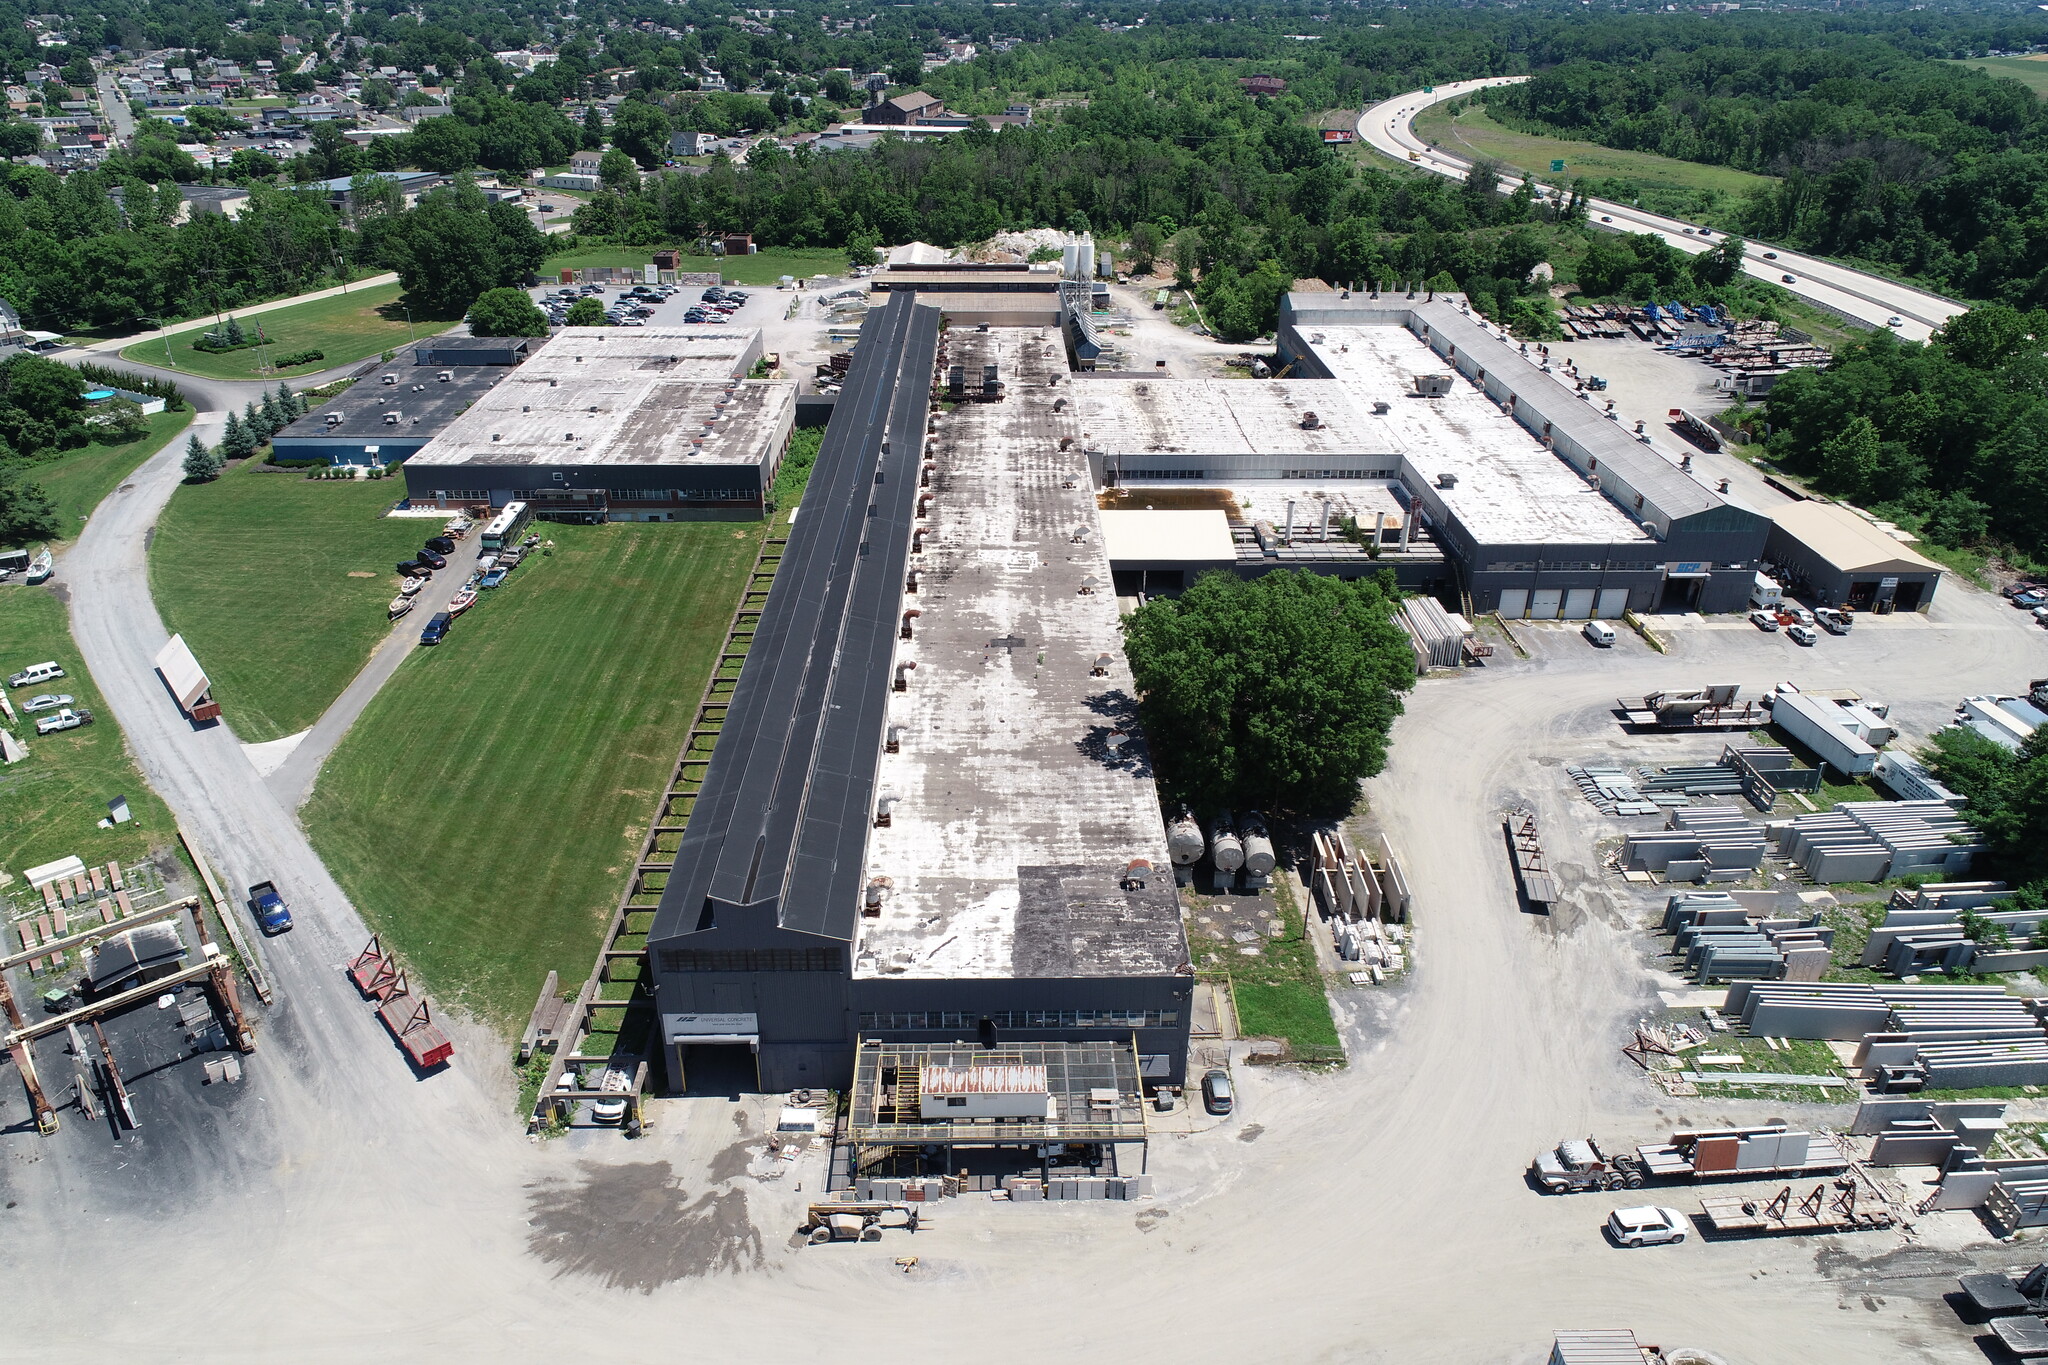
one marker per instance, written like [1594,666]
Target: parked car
[432,560]
[46,701]
[2027,601]
[67,719]
[436,629]
[1217,1096]
[1801,635]
[1763,620]
[442,545]
[493,578]
[48,671]
[1646,1226]
[412,568]
[617,1086]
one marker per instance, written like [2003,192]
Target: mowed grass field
[2032,72]
[764,267]
[80,479]
[485,811]
[346,328]
[1471,133]
[51,802]
[279,584]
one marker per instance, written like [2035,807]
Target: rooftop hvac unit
[391,419]
[445,375]
[1381,407]
[1432,385]
[1447,480]
[391,379]
[1310,422]
[333,419]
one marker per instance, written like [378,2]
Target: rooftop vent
[1381,407]
[391,379]
[333,419]
[445,376]
[1447,480]
[391,419]
[1310,422]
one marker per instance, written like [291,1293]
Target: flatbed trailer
[1736,1216]
[1743,1154]
[411,1021]
[374,973]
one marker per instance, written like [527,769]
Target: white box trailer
[1822,726]
[1766,594]
[187,680]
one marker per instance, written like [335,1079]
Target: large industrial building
[924,828]
[618,424]
[1827,552]
[388,417]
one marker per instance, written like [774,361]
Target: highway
[1868,299]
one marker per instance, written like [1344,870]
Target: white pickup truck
[66,719]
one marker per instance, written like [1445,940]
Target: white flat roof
[1175,536]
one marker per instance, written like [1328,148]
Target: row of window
[1561,565]
[1337,473]
[752,960]
[682,494]
[463,494]
[1024,1019]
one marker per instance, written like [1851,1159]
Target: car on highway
[1787,279]
[1217,1096]
[1688,232]
[67,719]
[1763,620]
[1895,321]
[1801,635]
[1646,1226]
[1606,217]
[431,559]
[49,671]
[46,701]
[1770,255]
[436,629]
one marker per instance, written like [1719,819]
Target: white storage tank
[1224,849]
[1183,840]
[1258,845]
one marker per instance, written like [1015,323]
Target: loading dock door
[1514,603]
[1544,604]
[1578,604]
[1613,602]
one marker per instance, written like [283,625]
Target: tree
[445,144]
[202,462]
[641,130]
[26,512]
[1273,693]
[1719,264]
[863,248]
[1146,244]
[19,137]
[373,195]
[237,442]
[838,87]
[507,312]
[585,312]
[118,419]
[617,171]
[593,129]
[1849,458]
[290,404]
[257,424]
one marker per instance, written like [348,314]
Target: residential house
[585,162]
[691,144]
[1264,86]
[904,110]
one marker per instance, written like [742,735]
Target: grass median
[1471,133]
[486,810]
[279,583]
[344,328]
[51,802]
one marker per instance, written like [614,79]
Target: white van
[37,673]
[1600,633]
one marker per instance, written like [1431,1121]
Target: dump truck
[1582,1164]
[1708,1154]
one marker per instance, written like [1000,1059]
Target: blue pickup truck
[272,915]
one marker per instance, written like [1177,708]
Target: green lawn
[347,327]
[1279,990]
[256,571]
[2031,72]
[52,802]
[768,267]
[81,478]
[1472,133]
[587,257]
[485,811]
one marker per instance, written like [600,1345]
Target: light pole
[408,324]
[165,331]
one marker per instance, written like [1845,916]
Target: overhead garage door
[1578,604]
[1613,602]
[1514,603]
[1544,604]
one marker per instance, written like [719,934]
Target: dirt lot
[354,1208]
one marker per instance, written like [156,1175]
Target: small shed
[983,1092]
[1597,1346]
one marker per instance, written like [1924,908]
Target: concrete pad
[268,758]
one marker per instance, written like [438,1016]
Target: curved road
[1867,298]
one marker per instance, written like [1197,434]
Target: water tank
[1258,846]
[1224,849]
[1183,840]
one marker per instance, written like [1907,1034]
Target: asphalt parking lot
[764,304]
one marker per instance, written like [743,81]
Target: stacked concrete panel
[1439,637]
[1867,841]
[1783,1009]
[1708,843]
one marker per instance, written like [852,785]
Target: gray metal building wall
[881,1002]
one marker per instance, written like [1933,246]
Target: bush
[285,362]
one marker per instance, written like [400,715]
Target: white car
[616,1086]
[1799,615]
[67,719]
[1802,635]
[1763,620]
[46,701]
[1895,322]
[1646,1226]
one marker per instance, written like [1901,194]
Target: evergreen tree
[235,335]
[290,404]
[253,419]
[237,442]
[201,462]
[274,415]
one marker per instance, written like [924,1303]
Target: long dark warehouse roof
[781,821]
